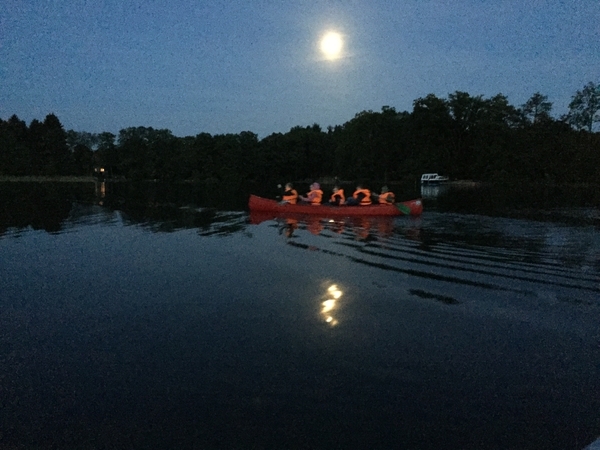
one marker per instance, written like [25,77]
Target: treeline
[462,136]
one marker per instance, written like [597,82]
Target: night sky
[231,66]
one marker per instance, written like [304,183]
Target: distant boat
[433,178]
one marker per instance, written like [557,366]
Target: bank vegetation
[463,136]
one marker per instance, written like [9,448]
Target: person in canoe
[386,196]
[337,198]
[290,195]
[315,195]
[361,196]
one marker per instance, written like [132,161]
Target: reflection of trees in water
[169,218]
[41,206]
[540,202]
[139,195]
[159,207]
[167,207]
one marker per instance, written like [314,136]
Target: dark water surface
[131,319]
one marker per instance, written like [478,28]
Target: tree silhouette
[537,108]
[585,107]
[462,136]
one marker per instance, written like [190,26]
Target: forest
[462,136]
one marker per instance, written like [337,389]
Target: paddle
[402,208]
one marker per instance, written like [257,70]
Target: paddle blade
[403,208]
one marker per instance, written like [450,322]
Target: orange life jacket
[290,196]
[339,194]
[315,196]
[383,198]
[366,200]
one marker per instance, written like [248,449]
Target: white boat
[433,178]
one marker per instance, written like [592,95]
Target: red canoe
[411,207]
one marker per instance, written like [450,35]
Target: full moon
[331,45]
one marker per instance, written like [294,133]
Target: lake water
[130,318]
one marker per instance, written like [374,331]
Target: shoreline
[454,183]
[42,179]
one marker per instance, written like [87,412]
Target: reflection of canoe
[362,227]
[411,207]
